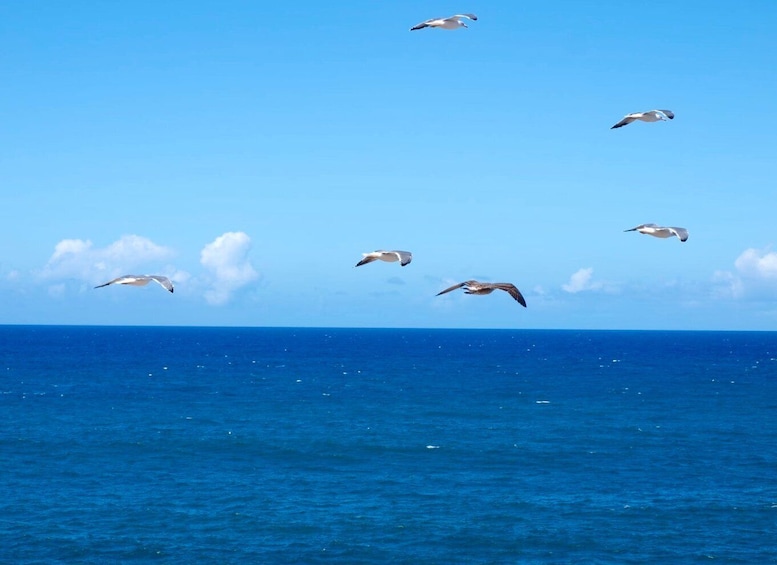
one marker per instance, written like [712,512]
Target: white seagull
[651,116]
[475,287]
[452,22]
[404,257]
[140,280]
[661,231]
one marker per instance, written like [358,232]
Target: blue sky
[253,154]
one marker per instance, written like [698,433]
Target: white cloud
[69,247]
[79,259]
[757,264]
[755,276]
[229,268]
[580,281]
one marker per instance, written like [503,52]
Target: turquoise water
[239,445]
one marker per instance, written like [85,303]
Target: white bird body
[650,116]
[404,257]
[451,22]
[480,288]
[661,231]
[140,280]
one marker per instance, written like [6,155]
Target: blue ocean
[258,445]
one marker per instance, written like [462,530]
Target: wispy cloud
[79,259]
[226,260]
[581,281]
[754,276]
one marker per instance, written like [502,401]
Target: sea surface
[253,445]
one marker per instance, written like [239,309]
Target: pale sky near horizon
[252,154]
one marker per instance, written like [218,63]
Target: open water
[251,445]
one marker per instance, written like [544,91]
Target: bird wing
[109,282]
[472,17]
[422,25]
[642,226]
[164,281]
[512,291]
[681,233]
[625,121]
[668,113]
[121,280]
[404,257]
[450,288]
[368,258]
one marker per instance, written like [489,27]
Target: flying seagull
[452,22]
[475,287]
[660,231]
[651,116]
[140,280]
[404,257]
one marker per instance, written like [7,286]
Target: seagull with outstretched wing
[404,257]
[141,280]
[661,231]
[451,22]
[475,287]
[651,116]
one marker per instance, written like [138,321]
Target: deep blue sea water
[249,445]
